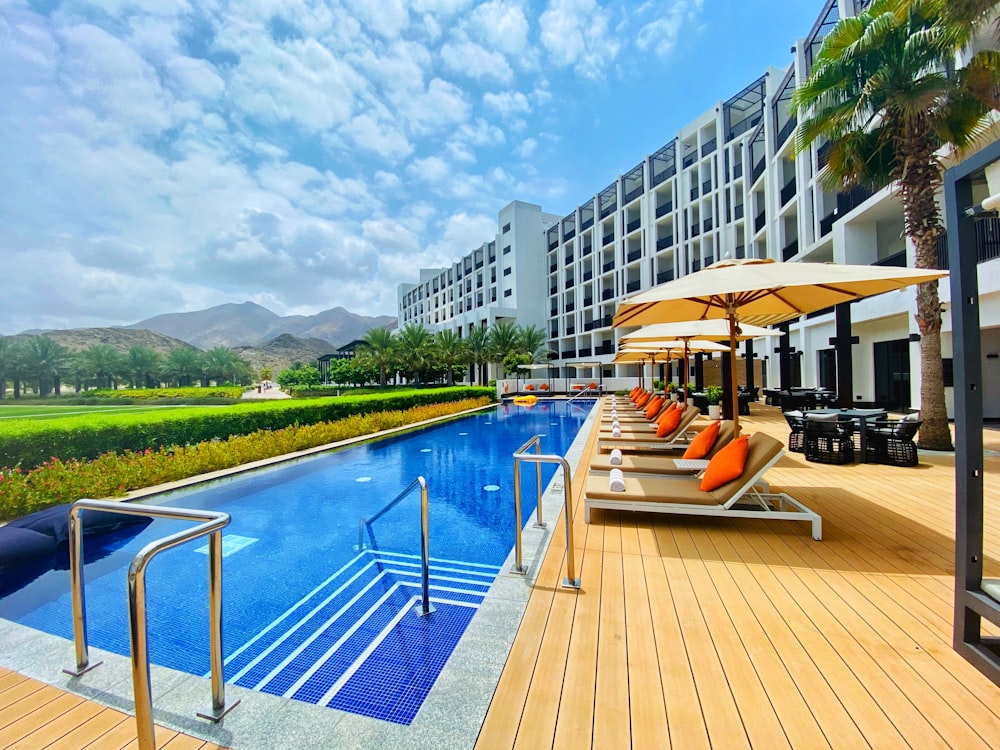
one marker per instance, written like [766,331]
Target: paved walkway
[269,393]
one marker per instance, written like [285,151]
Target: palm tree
[143,362]
[222,365]
[883,95]
[44,361]
[477,347]
[182,365]
[380,350]
[10,362]
[504,341]
[450,351]
[414,343]
[531,341]
[102,364]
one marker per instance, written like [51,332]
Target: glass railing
[790,250]
[664,208]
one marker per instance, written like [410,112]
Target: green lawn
[36,412]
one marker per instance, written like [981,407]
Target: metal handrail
[571,580]
[212,524]
[585,391]
[425,607]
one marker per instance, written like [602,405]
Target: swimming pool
[309,616]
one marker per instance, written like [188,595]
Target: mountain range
[249,324]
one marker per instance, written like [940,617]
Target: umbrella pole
[686,353]
[733,395]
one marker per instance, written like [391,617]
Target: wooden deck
[710,633]
[725,633]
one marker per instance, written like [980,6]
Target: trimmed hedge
[159,394]
[27,443]
[114,474]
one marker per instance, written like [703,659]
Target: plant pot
[674,397]
[714,411]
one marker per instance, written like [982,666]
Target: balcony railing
[553,244]
[569,284]
[706,187]
[570,307]
[689,160]
[694,193]
[633,225]
[569,235]
[695,230]
[608,210]
[738,212]
[847,202]
[607,294]
[606,320]
[588,275]
[608,238]
[606,348]
[634,255]
[758,170]
[664,242]
[588,325]
[570,330]
[786,130]
[587,223]
[553,266]
[608,266]
[741,251]
[708,147]
[632,286]
[588,300]
[759,220]
[631,195]
[553,311]
[568,353]
[664,208]
[896,260]
[737,171]
[823,155]
[790,250]
[788,191]
[707,225]
[586,250]
[664,276]
[584,352]
[826,224]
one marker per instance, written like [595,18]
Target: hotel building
[725,186]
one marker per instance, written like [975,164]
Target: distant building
[344,352]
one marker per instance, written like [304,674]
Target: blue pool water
[308,615]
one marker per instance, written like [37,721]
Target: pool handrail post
[212,524]
[539,523]
[425,607]
[519,567]
[571,580]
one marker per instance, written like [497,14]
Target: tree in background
[10,364]
[379,349]
[100,365]
[504,341]
[414,350]
[883,94]
[450,351]
[477,347]
[182,366]
[143,366]
[44,362]
[531,341]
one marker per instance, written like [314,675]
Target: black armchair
[891,441]
[796,438]
[829,441]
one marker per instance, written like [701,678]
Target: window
[506,292]
[506,228]
[506,249]
[506,272]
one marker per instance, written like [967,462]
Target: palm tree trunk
[921,175]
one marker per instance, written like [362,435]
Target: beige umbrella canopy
[665,349]
[699,330]
[761,292]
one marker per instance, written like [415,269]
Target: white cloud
[660,36]
[461,233]
[501,25]
[442,105]
[526,148]
[431,169]
[382,137]
[469,59]
[577,33]
[507,103]
[387,18]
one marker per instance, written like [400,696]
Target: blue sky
[169,155]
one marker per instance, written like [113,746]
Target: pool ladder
[211,524]
[585,392]
[538,458]
[425,607]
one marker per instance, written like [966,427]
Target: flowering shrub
[158,394]
[27,443]
[114,474]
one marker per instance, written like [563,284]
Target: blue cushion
[54,522]
[22,553]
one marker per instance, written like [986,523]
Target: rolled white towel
[614,414]
[615,423]
[617,481]
[616,431]
[616,457]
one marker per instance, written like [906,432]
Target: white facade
[725,186]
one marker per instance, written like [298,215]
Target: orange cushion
[632,392]
[672,406]
[669,423]
[703,441]
[641,401]
[727,464]
[544,386]
[592,385]
[529,387]
[653,406]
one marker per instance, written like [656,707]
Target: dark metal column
[784,359]
[727,378]
[748,354]
[845,357]
[699,374]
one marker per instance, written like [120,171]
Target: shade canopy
[695,330]
[632,356]
[671,345]
[763,292]
[535,367]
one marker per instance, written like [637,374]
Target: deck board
[752,634]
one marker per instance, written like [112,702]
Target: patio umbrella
[674,349]
[538,366]
[713,329]
[589,366]
[761,292]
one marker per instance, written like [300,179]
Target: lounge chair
[660,465]
[739,498]
[634,416]
[643,437]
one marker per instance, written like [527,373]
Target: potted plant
[672,390]
[714,395]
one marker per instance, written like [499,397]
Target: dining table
[860,417]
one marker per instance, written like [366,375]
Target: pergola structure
[976,598]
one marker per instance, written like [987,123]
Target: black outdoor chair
[829,441]
[796,438]
[891,442]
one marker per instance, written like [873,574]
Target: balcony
[588,275]
[738,212]
[569,284]
[631,195]
[664,242]
[569,307]
[553,244]
[664,276]
[759,220]
[741,251]
[554,332]
[786,130]
[826,224]
[584,352]
[553,266]
[695,230]
[569,235]
[694,193]
[790,250]
[897,260]
[788,191]
[587,223]
[664,208]
[606,320]
[633,225]
[588,325]
[568,353]
[634,255]
[708,147]
[608,266]
[758,170]
[823,155]
[608,210]
[606,348]
[707,225]
[632,286]
[607,294]
[587,250]
[588,301]
[706,187]
[695,265]
[737,171]
[847,202]
[570,330]
[608,238]
[553,311]
[689,160]
[479,264]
